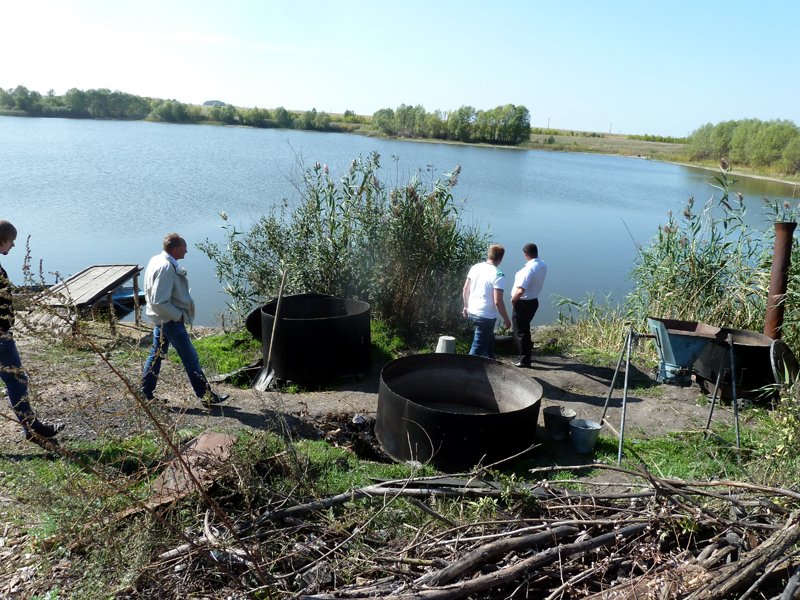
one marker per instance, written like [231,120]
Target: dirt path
[81,390]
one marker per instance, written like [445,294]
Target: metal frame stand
[626,350]
[729,353]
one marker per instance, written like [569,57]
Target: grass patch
[688,455]
[387,343]
[226,352]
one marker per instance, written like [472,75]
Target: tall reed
[704,267]
[404,250]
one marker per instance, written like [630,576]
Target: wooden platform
[91,286]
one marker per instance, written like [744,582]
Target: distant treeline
[107,104]
[749,142]
[508,124]
[667,139]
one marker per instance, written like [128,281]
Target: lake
[97,192]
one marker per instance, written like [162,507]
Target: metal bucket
[557,420]
[583,435]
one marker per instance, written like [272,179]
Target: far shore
[606,144]
[737,173]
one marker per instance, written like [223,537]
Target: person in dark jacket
[11,372]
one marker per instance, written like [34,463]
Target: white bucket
[446,345]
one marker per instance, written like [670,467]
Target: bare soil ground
[92,393]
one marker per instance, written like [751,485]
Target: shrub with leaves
[405,251]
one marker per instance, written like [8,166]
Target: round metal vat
[318,337]
[455,411]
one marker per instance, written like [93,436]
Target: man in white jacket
[483,300]
[171,308]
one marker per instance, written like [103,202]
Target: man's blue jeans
[483,341]
[15,379]
[173,332]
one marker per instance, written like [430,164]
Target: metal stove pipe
[781,259]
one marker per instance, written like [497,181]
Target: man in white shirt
[171,308]
[483,300]
[528,283]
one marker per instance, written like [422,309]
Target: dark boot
[213,398]
[34,428]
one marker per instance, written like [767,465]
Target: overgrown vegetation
[772,145]
[705,266]
[288,516]
[508,124]
[404,250]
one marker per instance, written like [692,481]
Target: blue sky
[663,67]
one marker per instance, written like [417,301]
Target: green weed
[227,352]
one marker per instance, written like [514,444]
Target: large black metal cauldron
[752,362]
[318,337]
[455,411]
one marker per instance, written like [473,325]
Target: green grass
[226,352]
[387,343]
[606,144]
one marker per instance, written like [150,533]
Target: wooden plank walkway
[90,286]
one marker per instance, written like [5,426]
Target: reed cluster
[402,248]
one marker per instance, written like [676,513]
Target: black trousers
[521,318]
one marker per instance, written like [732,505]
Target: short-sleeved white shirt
[484,279]
[531,278]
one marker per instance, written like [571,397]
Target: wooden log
[487,553]
[736,575]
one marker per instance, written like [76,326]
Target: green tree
[742,141]
[256,117]
[459,124]
[306,120]
[790,161]
[721,138]
[25,100]
[322,121]
[351,117]
[515,124]
[284,118]
[770,142]
[77,102]
[436,125]
[700,143]
[6,99]
[383,120]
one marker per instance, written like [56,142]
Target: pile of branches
[654,538]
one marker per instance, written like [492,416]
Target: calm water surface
[95,192]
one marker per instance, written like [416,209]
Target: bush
[404,251]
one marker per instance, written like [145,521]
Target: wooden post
[111,317]
[137,313]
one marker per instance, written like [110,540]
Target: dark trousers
[14,377]
[521,318]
